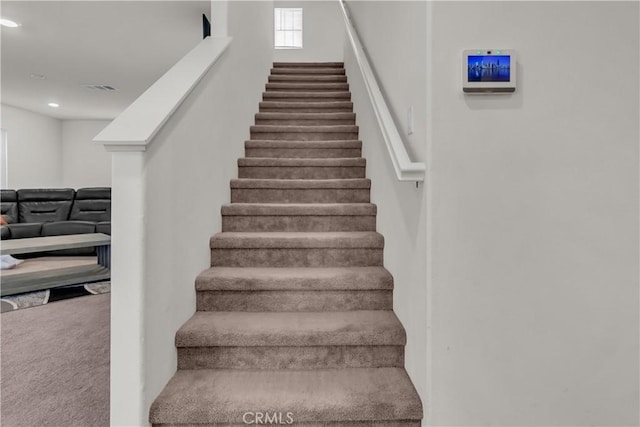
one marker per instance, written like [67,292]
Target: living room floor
[55,364]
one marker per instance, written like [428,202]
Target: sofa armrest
[104,227]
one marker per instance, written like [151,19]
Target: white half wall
[534,206]
[187,169]
[323,33]
[34,149]
[85,163]
[402,207]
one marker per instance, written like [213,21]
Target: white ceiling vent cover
[103,88]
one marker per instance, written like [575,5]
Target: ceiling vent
[103,88]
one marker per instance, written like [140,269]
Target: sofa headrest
[92,204]
[9,205]
[46,194]
[8,196]
[93,193]
[95,210]
[45,205]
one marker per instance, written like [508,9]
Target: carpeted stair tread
[304,132]
[303,163]
[301,168]
[308,70]
[297,240]
[298,217]
[309,105]
[305,116]
[301,183]
[308,118]
[308,64]
[315,96]
[294,279]
[301,209]
[307,87]
[304,129]
[318,396]
[272,289]
[307,78]
[261,190]
[303,149]
[291,329]
[278,143]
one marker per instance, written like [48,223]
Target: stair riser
[297,257]
[306,122]
[305,136]
[285,172]
[284,78]
[316,357]
[294,195]
[295,88]
[303,109]
[303,153]
[289,97]
[306,87]
[276,106]
[296,96]
[294,300]
[305,71]
[298,223]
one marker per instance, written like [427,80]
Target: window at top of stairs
[288,28]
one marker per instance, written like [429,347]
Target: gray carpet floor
[55,364]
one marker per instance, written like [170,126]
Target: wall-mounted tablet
[489,71]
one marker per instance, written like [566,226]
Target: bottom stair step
[337,397]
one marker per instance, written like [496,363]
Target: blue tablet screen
[489,68]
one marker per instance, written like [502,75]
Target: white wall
[401,206]
[44,152]
[534,204]
[85,163]
[398,59]
[323,33]
[34,146]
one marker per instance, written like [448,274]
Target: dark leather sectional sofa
[55,211]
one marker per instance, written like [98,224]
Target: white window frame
[287,33]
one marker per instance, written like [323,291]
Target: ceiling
[124,44]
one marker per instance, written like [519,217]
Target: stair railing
[405,168]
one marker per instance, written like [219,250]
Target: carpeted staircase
[295,320]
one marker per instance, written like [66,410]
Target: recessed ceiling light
[8,23]
[38,76]
[53,105]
